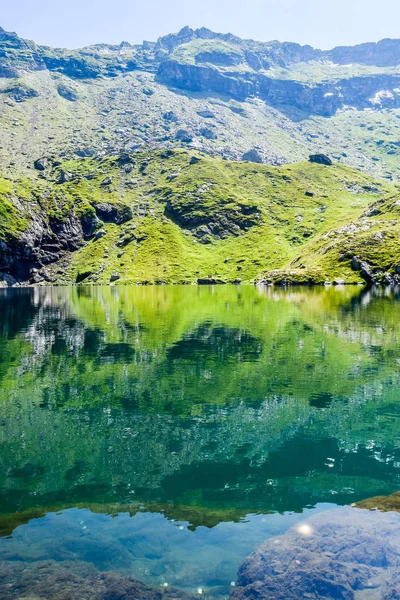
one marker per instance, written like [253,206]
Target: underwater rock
[49,580]
[332,555]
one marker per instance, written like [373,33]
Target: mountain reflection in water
[206,419]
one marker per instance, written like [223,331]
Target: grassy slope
[172,200]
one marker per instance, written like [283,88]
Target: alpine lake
[164,434]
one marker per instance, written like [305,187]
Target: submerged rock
[49,580]
[332,555]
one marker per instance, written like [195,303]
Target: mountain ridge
[166,148]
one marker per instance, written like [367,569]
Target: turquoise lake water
[167,432]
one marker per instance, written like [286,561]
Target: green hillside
[174,216]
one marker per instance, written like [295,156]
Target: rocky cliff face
[380,91]
[202,60]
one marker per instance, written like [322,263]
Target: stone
[7,280]
[252,156]
[332,555]
[106,181]
[113,213]
[387,279]
[366,272]
[355,263]
[67,580]
[82,276]
[320,159]
[67,93]
[64,177]
[309,194]
[208,133]
[40,164]
[20,92]
[210,281]
[115,277]
[125,159]
[184,136]
[101,233]
[206,114]
[194,160]
[171,117]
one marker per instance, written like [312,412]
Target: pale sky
[323,24]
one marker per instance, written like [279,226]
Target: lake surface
[166,432]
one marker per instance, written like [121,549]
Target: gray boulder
[40,164]
[330,556]
[252,156]
[184,136]
[320,159]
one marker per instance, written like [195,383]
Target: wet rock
[387,279]
[7,280]
[210,281]
[82,276]
[252,156]
[49,580]
[329,556]
[320,159]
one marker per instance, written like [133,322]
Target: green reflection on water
[226,398]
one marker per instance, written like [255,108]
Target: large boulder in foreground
[50,580]
[340,554]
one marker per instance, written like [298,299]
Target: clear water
[166,432]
